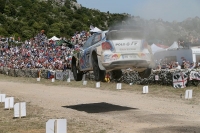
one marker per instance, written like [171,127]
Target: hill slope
[64,17]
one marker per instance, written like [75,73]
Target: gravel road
[109,111]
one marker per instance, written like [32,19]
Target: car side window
[88,43]
[97,38]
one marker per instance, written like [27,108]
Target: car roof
[126,27]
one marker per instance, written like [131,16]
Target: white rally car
[112,51]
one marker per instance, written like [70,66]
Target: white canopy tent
[155,48]
[173,46]
[95,30]
[54,38]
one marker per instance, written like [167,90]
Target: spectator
[177,66]
[192,65]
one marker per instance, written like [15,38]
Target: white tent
[95,30]
[173,46]
[155,48]
[54,38]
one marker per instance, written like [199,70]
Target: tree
[2,19]
[2,6]
[76,25]
[3,31]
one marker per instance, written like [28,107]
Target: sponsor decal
[133,43]
[115,56]
[127,49]
[111,57]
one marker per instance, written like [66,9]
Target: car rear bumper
[139,65]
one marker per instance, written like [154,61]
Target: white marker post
[56,126]
[20,109]
[145,89]
[2,98]
[38,79]
[97,84]
[188,94]
[9,103]
[84,82]
[119,86]
[53,80]
[68,79]
[83,79]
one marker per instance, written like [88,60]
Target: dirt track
[96,110]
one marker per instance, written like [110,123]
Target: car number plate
[129,56]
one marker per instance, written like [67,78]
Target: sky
[168,10]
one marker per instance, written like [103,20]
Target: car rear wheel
[78,75]
[116,74]
[99,74]
[145,74]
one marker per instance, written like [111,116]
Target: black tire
[99,75]
[146,73]
[116,74]
[78,75]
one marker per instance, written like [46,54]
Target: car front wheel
[99,74]
[77,74]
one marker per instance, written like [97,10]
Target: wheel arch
[98,58]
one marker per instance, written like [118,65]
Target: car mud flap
[100,64]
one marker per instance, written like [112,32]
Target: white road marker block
[145,89]
[97,84]
[84,82]
[119,86]
[188,94]
[20,109]
[68,80]
[2,98]
[53,80]
[56,126]
[9,102]
[83,79]
[38,79]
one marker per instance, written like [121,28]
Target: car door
[85,54]
[93,45]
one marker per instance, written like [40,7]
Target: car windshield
[119,35]
[124,32]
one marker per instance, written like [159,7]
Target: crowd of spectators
[168,64]
[40,52]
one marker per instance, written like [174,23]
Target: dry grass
[34,122]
